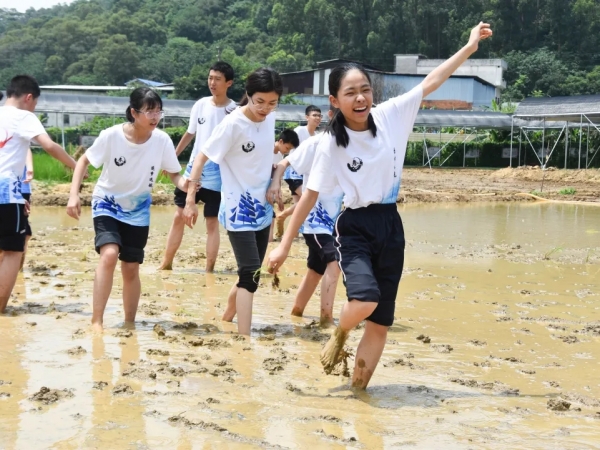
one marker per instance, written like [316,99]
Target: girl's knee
[109,254]
[130,270]
[249,279]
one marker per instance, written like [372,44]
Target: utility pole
[218,53]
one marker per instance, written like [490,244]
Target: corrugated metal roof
[563,109]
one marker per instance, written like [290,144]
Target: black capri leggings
[249,248]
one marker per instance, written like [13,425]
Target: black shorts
[28,231]
[130,239]
[211,200]
[13,227]
[370,242]
[321,251]
[294,185]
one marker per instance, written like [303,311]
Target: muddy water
[495,345]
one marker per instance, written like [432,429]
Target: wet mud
[495,343]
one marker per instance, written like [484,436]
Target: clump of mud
[424,339]
[159,330]
[76,351]
[495,386]
[122,389]
[185,326]
[558,405]
[124,334]
[100,385]
[48,396]
[442,348]
[158,352]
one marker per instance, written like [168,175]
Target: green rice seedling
[567,191]
[552,251]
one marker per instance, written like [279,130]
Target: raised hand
[480,32]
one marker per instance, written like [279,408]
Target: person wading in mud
[18,127]
[322,261]
[288,140]
[242,145]
[363,153]
[131,156]
[291,177]
[206,114]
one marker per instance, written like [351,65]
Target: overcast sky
[23,5]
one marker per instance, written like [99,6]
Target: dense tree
[552,46]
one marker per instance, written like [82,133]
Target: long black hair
[337,124]
[143,97]
[264,79]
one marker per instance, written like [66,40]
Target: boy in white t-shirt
[291,177]
[206,114]
[18,127]
[322,261]
[131,156]
[288,140]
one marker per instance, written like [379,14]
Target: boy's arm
[184,142]
[55,150]
[74,205]
[274,191]
[28,167]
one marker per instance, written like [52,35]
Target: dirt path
[426,185]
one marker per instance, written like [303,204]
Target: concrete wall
[490,70]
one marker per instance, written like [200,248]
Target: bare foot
[166,266]
[97,328]
[297,312]
[331,355]
[362,375]
[326,322]
[279,222]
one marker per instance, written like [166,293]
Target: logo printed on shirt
[248,147]
[201,121]
[120,161]
[356,165]
[4,138]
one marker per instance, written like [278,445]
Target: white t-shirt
[290,173]
[370,168]
[204,118]
[244,151]
[302,133]
[124,189]
[17,128]
[321,218]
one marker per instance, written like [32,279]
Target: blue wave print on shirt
[248,212]
[291,174]
[392,195]
[109,205]
[138,215]
[319,217]
[4,191]
[211,176]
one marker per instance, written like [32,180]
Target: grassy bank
[48,169]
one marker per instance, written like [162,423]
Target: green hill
[551,45]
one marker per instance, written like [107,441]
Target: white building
[490,70]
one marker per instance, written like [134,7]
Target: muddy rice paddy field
[495,343]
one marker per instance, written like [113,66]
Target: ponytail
[337,128]
[244,100]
